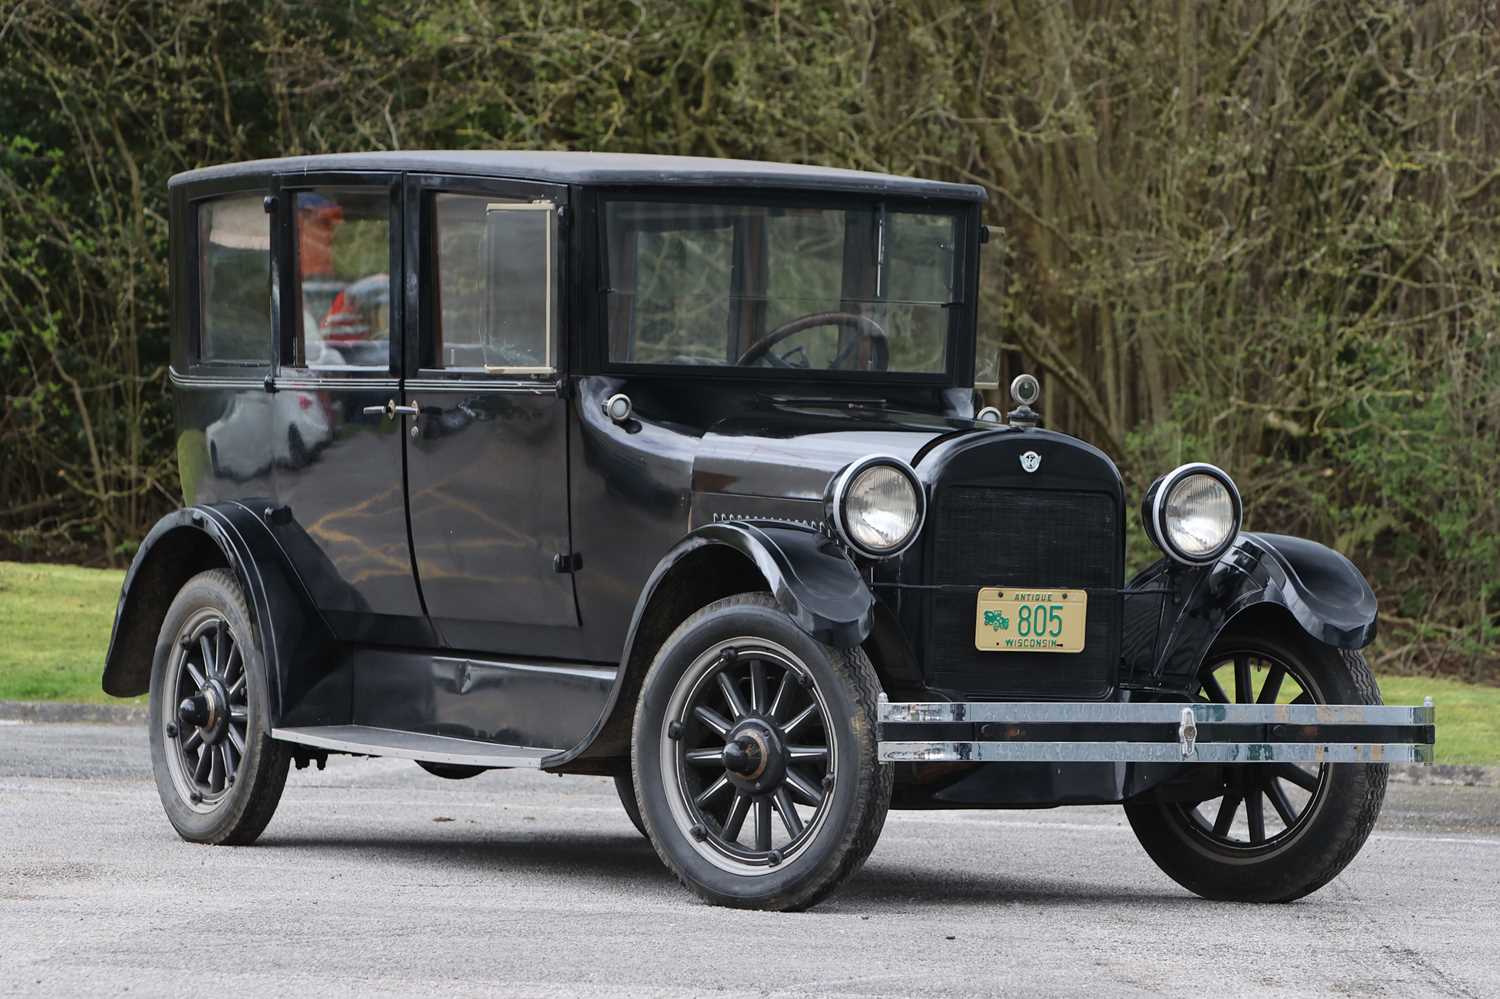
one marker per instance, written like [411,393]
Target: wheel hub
[754,758]
[206,710]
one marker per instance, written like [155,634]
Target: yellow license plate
[1016,619]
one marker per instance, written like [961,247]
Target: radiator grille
[1021,537]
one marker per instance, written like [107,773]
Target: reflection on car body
[299,424]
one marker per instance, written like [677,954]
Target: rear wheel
[1268,832]
[755,758]
[218,771]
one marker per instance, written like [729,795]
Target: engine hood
[791,449]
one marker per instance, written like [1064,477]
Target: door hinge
[567,562]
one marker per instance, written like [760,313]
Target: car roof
[615,169]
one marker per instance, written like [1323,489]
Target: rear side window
[494,290]
[234,280]
[344,279]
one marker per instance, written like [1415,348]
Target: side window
[343,251]
[494,293]
[234,280]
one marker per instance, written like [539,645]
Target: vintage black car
[673,470]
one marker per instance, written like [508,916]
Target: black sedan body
[476,436]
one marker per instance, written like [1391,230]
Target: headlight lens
[877,506]
[1195,513]
[1199,515]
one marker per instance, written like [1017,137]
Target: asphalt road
[376,879]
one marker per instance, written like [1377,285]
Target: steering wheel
[868,329]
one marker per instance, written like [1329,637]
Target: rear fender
[1316,586]
[291,634]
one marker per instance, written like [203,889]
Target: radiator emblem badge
[1031,461]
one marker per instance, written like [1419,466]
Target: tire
[1336,816]
[238,790]
[806,737]
[625,788]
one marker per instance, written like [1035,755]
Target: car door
[486,458]
[337,416]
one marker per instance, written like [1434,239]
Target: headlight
[876,505]
[1193,513]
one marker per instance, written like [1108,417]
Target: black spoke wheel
[747,753]
[207,682]
[219,773]
[1266,832]
[754,757]
[1256,806]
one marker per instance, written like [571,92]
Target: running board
[1156,732]
[366,740]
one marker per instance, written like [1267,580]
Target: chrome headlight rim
[1156,527]
[838,497]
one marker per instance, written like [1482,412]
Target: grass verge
[54,630]
[55,622]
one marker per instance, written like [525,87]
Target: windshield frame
[959,363]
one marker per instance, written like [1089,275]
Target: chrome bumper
[1078,732]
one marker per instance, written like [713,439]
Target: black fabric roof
[601,169]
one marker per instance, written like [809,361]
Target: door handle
[391,410]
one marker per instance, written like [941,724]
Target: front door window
[495,290]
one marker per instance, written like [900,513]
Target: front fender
[811,578]
[1319,588]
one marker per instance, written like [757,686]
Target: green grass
[54,630]
[55,621]
[1468,715]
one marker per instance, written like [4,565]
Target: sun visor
[239,224]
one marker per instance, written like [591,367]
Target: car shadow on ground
[488,853]
[627,861]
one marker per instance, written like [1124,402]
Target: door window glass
[494,291]
[234,280]
[344,279]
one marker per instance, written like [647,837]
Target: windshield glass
[826,289]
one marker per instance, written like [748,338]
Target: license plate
[1015,619]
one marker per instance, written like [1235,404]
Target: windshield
[825,289]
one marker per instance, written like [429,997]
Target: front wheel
[755,759]
[1267,832]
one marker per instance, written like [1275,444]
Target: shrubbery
[1260,233]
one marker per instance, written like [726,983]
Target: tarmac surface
[377,879]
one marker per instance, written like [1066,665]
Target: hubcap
[205,739]
[748,758]
[1256,807]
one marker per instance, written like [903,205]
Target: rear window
[344,279]
[234,280]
